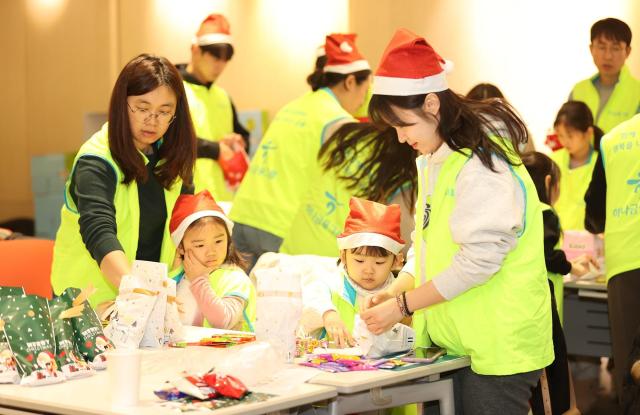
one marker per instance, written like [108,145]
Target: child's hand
[580,265]
[375,299]
[193,268]
[336,330]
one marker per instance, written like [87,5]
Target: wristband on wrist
[406,306]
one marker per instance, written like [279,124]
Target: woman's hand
[193,268]
[382,317]
[336,330]
[375,299]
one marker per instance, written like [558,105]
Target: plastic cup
[123,369]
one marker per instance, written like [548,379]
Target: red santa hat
[410,66]
[214,30]
[190,208]
[343,56]
[371,224]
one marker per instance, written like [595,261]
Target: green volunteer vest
[324,209]
[620,150]
[570,205]
[622,105]
[212,118]
[72,265]
[345,302]
[225,284]
[504,325]
[273,189]
[556,279]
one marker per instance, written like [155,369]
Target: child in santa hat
[477,283]
[370,247]
[213,289]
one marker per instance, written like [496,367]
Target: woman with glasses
[125,181]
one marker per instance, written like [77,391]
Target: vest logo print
[261,169]
[635,182]
[332,204]
[427,215]
[266,147]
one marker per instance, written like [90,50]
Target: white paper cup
[123,369]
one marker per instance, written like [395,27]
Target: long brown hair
[464,123]
[387,167]
[141,75]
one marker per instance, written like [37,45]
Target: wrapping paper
[279,308]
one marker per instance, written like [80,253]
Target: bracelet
[406,306]
[401,306]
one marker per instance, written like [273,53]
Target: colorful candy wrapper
[194,386]
[26,328]
[89,337]
[67,357]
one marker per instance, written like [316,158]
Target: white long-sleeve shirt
[485,223]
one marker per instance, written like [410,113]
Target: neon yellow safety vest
[620,151]
[622,104]
[345,301]
[504,325]
[233,282]
[73,266]
[556,279]
[325,208]
[274,188]
[570,205]
[212,118]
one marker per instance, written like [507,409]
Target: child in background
[546,177]
[212,288]
[370,247]
[579,137]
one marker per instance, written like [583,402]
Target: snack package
[89,337]
[400,338]
[156,275]
[67,357]
[26,328]
[134,304]
[173,328]
[279,308]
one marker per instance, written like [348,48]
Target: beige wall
[63,56]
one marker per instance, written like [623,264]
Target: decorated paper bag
[67,357]
[400,338]
[8,366]
[89,337]
[26,328]
[278,309]
[11,291]
[134,303]
[156,274]
[173,329]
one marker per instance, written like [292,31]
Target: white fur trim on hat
[384,85]
[212,39]
[356,240]
[178,234]
[347,68]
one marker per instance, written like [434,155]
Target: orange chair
[27,263]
